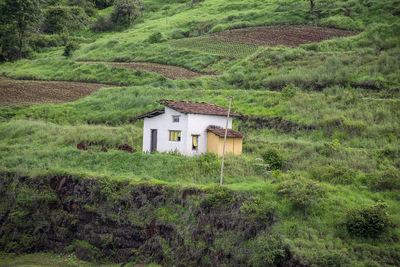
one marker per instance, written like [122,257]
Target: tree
[312,5]
[22,15]
[59,19]
[100,4]
[126,11]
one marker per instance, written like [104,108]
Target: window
[175,118]
[195,142]
[175,136]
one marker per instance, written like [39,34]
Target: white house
[186,127]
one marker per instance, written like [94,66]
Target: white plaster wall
[197,125]
[163,123]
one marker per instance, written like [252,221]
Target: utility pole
[226,133]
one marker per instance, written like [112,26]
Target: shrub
[331,259]
[219,197]
[301,192]
[329,148]
[178,34]
[289,91]
[342,22]
[155,38]
[39,41]
[274,158]
[102,24]
[59,18]
[370,221]
[268,251]
[70,48]
[338,174]
[257,208]
[385,180]
[126,12]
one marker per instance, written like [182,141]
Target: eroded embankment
[99,219]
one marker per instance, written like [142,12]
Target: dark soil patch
[171,72]
[126,148]
[31,92]
[289,35]
[82,146]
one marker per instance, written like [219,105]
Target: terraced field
[243,42]
[288,35]
[215,46]
[172,72]
[29,92]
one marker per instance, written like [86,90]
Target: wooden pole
[226,133]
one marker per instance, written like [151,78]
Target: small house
[190,128]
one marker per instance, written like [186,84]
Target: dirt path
[168,71]
[31,92]
[289,35]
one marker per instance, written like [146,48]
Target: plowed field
[171,72]
[289,35]
[28,92]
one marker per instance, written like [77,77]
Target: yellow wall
[215,144]
[212,143]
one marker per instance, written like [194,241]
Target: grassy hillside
[328,112]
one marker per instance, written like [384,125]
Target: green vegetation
[321,162]
[49,259]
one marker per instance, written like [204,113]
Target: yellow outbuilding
[215,141]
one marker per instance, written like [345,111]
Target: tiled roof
[197,108]
[221,132]
[150,114]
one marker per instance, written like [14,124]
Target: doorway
[153,143]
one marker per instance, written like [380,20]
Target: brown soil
[168,71]
[126,148]
[30,92]
[289,35]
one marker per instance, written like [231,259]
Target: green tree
[19,16]
[100,4]
[126,11]
[59,19]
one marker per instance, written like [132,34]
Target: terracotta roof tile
[197,108]
[221,132]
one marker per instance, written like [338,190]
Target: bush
[385,180]
[273,158]
[60,18]
[178,34]
[102,24]
[338,174]
[257,208]
[268,251]
[219,197]
[70,48]
[370,221]
[289,91]
[333,259]
[342,22]
[126,12]
[39,41]
[155,38]
[329,148]
[301,192]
